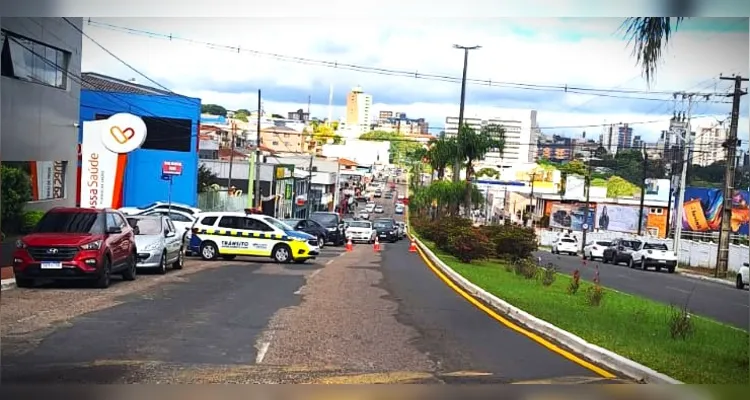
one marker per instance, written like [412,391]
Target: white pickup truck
[653,254]
[743,277]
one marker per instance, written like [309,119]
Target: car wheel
[321,241]
[630,263]
[643,265]
[163,263]
[739,284]
[130,272]
[209,252]
[105,277]
[180,262]
[671,269]
[605,259]
[583,255]
[282,254]
[27,282]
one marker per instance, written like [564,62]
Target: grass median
[631,326]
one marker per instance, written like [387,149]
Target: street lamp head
[458,46]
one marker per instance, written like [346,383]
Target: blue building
[172,135]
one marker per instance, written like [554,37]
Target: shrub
[468,243]
[680,323]
[575,283]
[549,275]
[526,268]
[30,219]
[595,295]
[15,192]
[515,242]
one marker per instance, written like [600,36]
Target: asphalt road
[713,300]
[350,317]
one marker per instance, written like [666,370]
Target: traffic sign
[585,226]
[171,168]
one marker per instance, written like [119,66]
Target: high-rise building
[358,108]
[637,142]
[708,145]
[624,137]
[521,133]
[389,121]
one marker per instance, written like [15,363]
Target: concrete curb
[7,284]
[706,278]
[578,345]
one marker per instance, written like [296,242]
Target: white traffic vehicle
[399,208]
[379,209]
[743,277]
[370,207]
[653,254]
[595,249]
[162,206]
[401,229]
[364,215]
[565,245]
[361,231]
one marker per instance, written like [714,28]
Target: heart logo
[120,135]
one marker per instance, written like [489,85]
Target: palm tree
[441,153]
[649,37]
[473,146]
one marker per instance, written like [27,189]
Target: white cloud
[600,59]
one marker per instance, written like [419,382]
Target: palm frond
[649,37]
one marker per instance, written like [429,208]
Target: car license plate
[51,265]
[662,261]
[383,235]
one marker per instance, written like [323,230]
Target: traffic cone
[376,245]
[349,246]
[413,246]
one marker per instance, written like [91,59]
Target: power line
[601,92]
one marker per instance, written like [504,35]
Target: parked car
[364,215]
[361,231]
[158,242]
[76,243]
[595,249]
[653,254]
[386,229]
[565,245]
[370,207]
[399,208]
[620,251]
[401,229]
[182,220]
[379,209]
[743,276]
[311,228]
[160,205]
[334,224]
[378,193]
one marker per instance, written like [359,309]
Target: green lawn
[631,326]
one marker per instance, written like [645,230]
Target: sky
[247,54]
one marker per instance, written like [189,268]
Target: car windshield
[383,224]
[325,219]
[655,246]
[146,226]
[148,206]
[71,222]
[277,224]
[566,240]
[291,222]
[605,244]
[631,244]
[360,224]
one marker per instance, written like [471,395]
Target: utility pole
[309,185]
[643,189]
[722,261]
[258,154]
[531,199]
[688,145]
[587,210]
[231,154]
[457,164]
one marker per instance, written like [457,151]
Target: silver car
[157,242]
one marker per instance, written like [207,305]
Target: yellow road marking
[531,335]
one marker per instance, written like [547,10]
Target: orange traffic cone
[349,246]
[413,246]
[376,245]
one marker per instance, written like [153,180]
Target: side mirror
[113,230]
[621,248]
[169,234]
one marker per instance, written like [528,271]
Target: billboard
[570,216]
[618,218]
[703,207]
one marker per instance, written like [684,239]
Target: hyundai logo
[51,251]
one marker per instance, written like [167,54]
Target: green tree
[206,178]
[489,172]
[241,116]
[473,146]
[400,145]
[619,187]
[213,109]
[441,153]
[15,191]
[323,133]
[649,37]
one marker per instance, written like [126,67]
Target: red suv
[76,243]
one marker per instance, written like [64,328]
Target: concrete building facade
[41,68]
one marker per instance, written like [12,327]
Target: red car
[76,243]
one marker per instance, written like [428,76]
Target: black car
[378,193]
[386,229]
[334,225]
[310,227]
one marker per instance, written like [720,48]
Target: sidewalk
[693,275]
[6,258]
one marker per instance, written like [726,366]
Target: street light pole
[457,164]
[587,210]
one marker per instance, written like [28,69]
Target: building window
[275,143]
[657,211]
[33,61]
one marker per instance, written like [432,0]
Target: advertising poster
[570,216]
[703,207]
[617,218]
[48,179]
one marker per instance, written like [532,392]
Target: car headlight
[20,244]
[95,245]
[152,246]
[332,229]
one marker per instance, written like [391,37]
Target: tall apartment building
[389,121]
[708,145]
[608,139]
[358,108]
[521,133]
[624,137]
[41,102]
[555,148]
[637,142]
